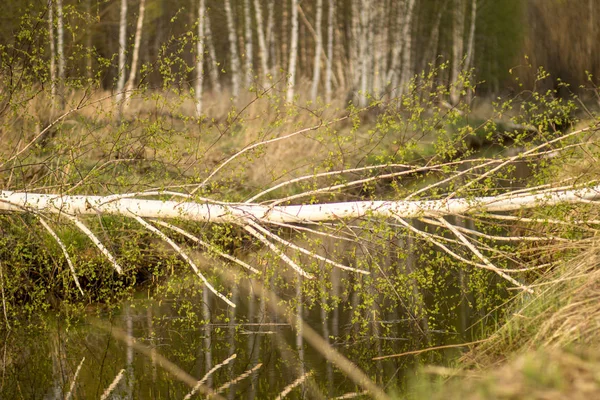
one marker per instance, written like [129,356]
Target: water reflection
[408,302]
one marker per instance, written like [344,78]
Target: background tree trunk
[407,62]
[53,75]
[122,51]
[471,42]
[263,54]
[214,67]
[318,50]
[293,53]
[200,58]
[248,57]
[136,53]
[60,51]
[233,51]
[329,61]
[458,29]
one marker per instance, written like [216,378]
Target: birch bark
[53,75]
[200,58]
[329,61]
[136,53]
[263,54]
[407,63]
[214,69]
[122,49]
[458,28]
[233,51]
[293,53]
[248,56]
[240,213]
[471,42]
[318,50]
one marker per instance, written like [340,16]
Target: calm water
[199,332]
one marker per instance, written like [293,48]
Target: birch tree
[214,68]
[233,51]
[329,61]
[363,50]
[200,58]
[136,54]
[60,49]
[122,52]
[318,49]
[407,63]
[293,53]
[53,77]
[258,219]
[471,41]
[263,52]
[249,56]
[458,29]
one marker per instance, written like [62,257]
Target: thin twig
[415,352]
[3,298]
[350,395]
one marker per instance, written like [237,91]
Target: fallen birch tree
[256,218]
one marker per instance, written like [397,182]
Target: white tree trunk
[364,51]
[293,53]
[233,51]
[136,52]
[318,49]
[407,64]
[248,57]
[271,36]
[200,58]
[214,68]
[60,42]
[458,29]
[52,52]
[393,75]
[329,61]
[122,51]
[241,213]
[470,58]
[60,31]
[263,54]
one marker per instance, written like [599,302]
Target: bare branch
[279,253]
[183,255]
[95,240]
[483,258]
[206,245]
[304,251]
[64,250]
